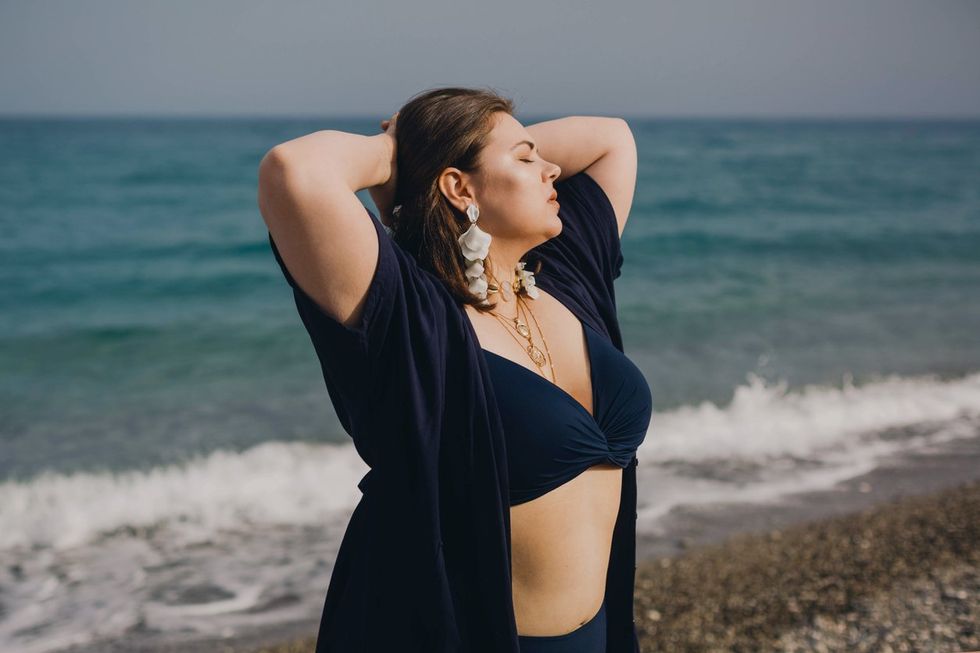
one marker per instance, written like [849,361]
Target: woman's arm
[307,198]
[330,155]
[602,147]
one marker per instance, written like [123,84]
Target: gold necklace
[533,352]
[544,341]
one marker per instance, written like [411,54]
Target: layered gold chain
[513,324]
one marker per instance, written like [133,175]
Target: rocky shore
[901,576]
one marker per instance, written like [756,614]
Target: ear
[455,185]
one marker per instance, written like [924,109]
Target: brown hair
[437,129]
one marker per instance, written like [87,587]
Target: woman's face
[513,186]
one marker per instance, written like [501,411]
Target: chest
[554,330]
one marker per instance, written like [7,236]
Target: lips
[553,196]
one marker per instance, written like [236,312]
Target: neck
[502,264]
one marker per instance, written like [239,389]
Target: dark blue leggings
[587,638]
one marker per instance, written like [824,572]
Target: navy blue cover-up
[425,562]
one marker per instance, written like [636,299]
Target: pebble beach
[902,576]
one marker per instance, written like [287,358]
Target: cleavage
[589,367]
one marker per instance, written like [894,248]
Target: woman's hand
[384,194]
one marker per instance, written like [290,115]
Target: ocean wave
[307,484]
[765,420]
[271,483]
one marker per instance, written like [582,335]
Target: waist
[560,547]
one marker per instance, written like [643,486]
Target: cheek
[523,186]
[518,199]
[514,180]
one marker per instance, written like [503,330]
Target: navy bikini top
[551,438]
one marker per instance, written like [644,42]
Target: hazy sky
[643,57]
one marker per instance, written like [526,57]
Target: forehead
[507,132]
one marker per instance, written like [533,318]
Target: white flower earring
[475,244]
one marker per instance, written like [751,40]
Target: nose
[555,172]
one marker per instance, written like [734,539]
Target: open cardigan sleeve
[359,342]
[359,361]
[596,243]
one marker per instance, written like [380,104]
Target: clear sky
[679,58]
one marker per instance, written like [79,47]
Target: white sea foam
[764,421]
[306,484]
[271,483]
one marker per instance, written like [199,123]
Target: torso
[560,542]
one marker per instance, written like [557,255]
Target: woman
[475,358]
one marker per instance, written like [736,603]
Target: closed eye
[528,160]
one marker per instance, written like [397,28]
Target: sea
[802,296]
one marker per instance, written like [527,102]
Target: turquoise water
[143,319]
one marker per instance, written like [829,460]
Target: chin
[554,226]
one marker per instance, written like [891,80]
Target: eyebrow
[524,143]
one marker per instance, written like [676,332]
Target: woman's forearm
[328,155]
[575,142]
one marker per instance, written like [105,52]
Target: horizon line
[546,116]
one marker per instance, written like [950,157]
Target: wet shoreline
[890,558]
